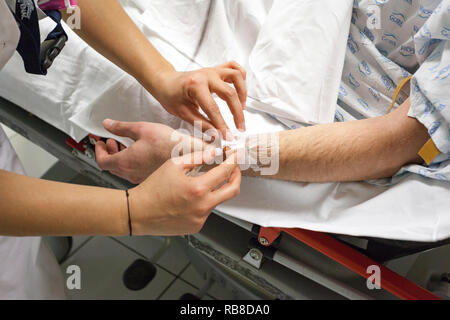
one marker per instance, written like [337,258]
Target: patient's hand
[152,147]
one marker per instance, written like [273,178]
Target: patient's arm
[344,151]
[107,28]
[350,151]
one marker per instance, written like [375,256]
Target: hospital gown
[410,37]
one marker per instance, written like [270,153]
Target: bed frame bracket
[267,236]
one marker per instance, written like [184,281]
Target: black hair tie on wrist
[129,213]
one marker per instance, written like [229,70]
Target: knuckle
[236,75]
[214,108]
[193,81]
[229,92]
[196,79]
[197,190]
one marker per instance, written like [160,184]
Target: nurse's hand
[170,202]
[182,93]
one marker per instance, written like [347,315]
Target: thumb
[123,129]
[195,159]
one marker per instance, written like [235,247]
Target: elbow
[407,137]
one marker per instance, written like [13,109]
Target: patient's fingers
[105,160]
[112,146]
[235,77]
[102,155]
[123,129]
[204,98]
[229,94]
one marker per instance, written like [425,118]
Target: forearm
[350,151]
[109,30]
[32,206]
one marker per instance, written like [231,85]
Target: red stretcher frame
[352,259]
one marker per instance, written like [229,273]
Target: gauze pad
[259,152]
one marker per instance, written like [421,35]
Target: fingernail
[108,123]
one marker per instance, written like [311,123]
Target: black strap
[37,58]
[130,228]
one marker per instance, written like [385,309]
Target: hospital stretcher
[256,262]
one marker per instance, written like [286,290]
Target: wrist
[115,217]
[155,79]
[141,207]
[134,208]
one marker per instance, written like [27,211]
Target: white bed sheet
[83,88]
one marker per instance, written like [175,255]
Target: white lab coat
[28,270]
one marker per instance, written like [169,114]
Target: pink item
[56,4]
